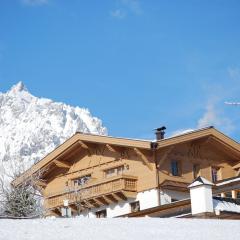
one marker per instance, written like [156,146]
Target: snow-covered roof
[221,205]
[228,181]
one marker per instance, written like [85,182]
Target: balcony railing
[120,184]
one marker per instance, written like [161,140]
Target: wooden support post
[144,158]
[223,195]
[234,194]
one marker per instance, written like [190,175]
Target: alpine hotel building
[101,176]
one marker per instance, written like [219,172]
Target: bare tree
[24,200]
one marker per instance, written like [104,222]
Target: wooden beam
[129,194]
[120,196]
[164,156]
[85,205]
[93,203]
[83,145]
[57,211]
[73,207]
[144,158]
[88,204]
[111,198]
[40,183]
[202,141]
[236,166]
[62,164]
[70,155]
[102,200]
[110,148]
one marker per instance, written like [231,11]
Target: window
[82,180]
[120,170]
[175,167]
[114,171]
[215,173]
[110,172]
[196,170]
[135,206]
[101,214]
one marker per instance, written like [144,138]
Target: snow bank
[102,229]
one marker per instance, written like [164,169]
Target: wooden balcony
[109,191]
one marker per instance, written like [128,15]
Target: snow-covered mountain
[31,127]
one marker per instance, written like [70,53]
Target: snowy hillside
[119,229]
[31,127]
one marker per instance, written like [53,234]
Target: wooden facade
[89,173]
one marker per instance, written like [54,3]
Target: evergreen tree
[20,202]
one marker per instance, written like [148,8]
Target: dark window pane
[135,206]
[214,174]
[175,168]
[101,214]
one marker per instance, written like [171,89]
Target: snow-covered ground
[102,229]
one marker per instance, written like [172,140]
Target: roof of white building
[200,181]
[224,205]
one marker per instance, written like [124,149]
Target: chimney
[201,196]
[160,133]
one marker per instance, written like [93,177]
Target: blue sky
[136,64]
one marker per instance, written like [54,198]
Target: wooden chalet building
[101,176]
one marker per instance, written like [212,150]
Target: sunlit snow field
[101,229]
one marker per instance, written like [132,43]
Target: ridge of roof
[123,138]
[187,133]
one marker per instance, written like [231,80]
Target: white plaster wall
[121,208]
[201,199]
[87,214]
[113,210]
[166,196]
[147,199]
